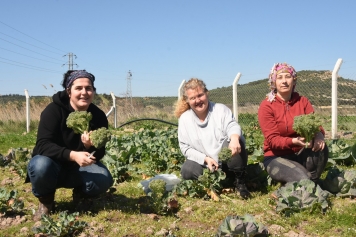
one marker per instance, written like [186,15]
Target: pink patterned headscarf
[275,70]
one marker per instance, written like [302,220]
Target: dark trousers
[191,170]
[306,165]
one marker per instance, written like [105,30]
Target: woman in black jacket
[61,158]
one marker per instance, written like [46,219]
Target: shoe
[45,207]
[243,191]
[240,184]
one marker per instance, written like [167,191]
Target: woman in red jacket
[284,157]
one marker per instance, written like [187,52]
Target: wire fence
[315,85]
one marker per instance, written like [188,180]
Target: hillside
[316,85]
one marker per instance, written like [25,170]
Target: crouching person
[204,128]
[62,158]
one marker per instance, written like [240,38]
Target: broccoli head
[225,154]
[307,125]
[79,121]
[100,137]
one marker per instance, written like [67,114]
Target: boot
[45,207]
[240,184]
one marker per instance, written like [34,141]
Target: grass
[119,213]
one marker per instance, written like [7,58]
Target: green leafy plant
[341,152]
[225,154]
[79,121]
[302,195]
[19,159]
[241,226]
[119,156]
[9,201]
[100,137]
[207,185]
[340,182]
[307,125]
[66,225]
[161,201]
[254,142]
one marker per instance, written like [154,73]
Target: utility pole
[70,60]
[128,90]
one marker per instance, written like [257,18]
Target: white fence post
[180,89]
[234,95]
[27,111]
[334,98]
[113,108]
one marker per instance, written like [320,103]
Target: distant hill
[316,85]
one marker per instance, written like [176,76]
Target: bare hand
[86,139]
[211,163]
[234,144]
[299,141]
[82,158]
[318,142]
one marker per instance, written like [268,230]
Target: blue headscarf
[79,74]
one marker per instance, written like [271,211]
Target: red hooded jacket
[276,121]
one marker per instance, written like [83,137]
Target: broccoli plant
[246,225]
[79,121]
[9,201]
[208,185]
[307,125]
[161,201]
[100,137]
[225,154]
[67,225]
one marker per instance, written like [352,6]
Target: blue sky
[163,42]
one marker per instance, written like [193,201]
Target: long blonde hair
[182,104]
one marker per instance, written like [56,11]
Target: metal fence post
[234,96]
[27,111]
[334,98]
[180,89]
[113,108]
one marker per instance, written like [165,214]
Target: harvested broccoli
[225,154]
[307,125]
[79,121]
[100,137]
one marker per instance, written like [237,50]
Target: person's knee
[191,170]
[39,166]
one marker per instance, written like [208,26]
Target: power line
[31,37]
[28,43]
[27,56]
[27,66]
[29,49]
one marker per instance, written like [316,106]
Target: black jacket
[55,140]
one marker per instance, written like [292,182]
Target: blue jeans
[46,175]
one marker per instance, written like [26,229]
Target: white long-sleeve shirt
[200,139]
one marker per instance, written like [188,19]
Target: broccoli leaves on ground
[341,152]
[307,125]
[302,195]
[340,182]
[66,225]
[79,121]
[9,201]
[241,226]
[208,185]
